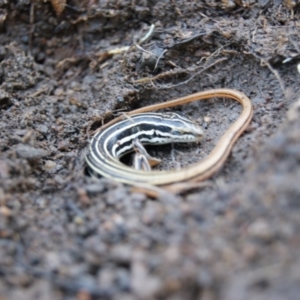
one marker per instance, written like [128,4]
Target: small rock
[5,211]
[49,165]
[63,145]
[106,278]
[42,128]
[95,188]
[28,152]
[78,220]
[207,119]
[116,196]
[59,92]
[4,169]
[83,295]
[261,230]
[250,252]
[89,79]
[53,260]
[121,253]
[143,284]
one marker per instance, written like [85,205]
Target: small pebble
[42,128]
[78,220]
[49,165]
[260,230]
[4,169]
[207,119]
[5,211]
[59,92]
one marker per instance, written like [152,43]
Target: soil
[64,72]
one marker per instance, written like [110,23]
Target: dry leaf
[58,6]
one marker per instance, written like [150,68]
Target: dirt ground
[64,72]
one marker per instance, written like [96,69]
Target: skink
[117,138]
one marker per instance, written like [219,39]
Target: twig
[168,73]
[158,59]
[193,76]
[147,35]
[142,49]
[142,40]
[147,79]
[159,76]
